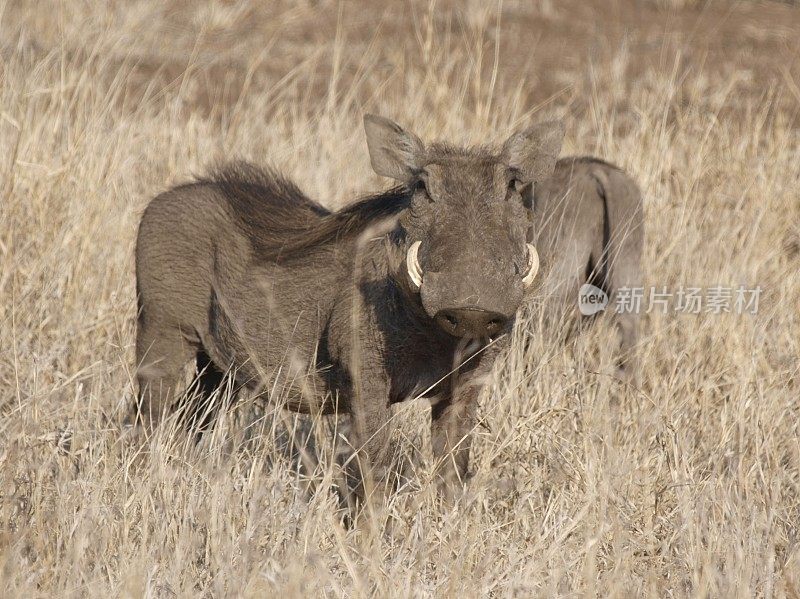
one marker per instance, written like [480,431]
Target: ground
[688,485]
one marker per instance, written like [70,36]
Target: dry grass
[688,487]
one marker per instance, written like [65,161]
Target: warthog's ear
[532,153]
[393,151]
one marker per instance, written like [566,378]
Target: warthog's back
[588,224]
[242,264]
[200,234]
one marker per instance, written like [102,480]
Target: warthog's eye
[512,186]
[420,187]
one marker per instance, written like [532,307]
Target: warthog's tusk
[533,265]
[412,264]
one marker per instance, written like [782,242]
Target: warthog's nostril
[471,322]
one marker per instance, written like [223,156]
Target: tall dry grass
[688,486]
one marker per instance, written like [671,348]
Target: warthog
[405,293]
[588,227]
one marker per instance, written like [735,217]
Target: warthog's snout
[473,323]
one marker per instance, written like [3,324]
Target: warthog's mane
[281,221]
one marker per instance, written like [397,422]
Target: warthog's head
[466,250]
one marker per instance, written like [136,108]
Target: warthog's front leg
[371,417]
[452,421]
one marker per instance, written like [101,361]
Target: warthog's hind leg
[206,396]
[161,354]
[628,335]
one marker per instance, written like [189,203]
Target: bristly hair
[281,221]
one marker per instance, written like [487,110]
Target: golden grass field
[688,486]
